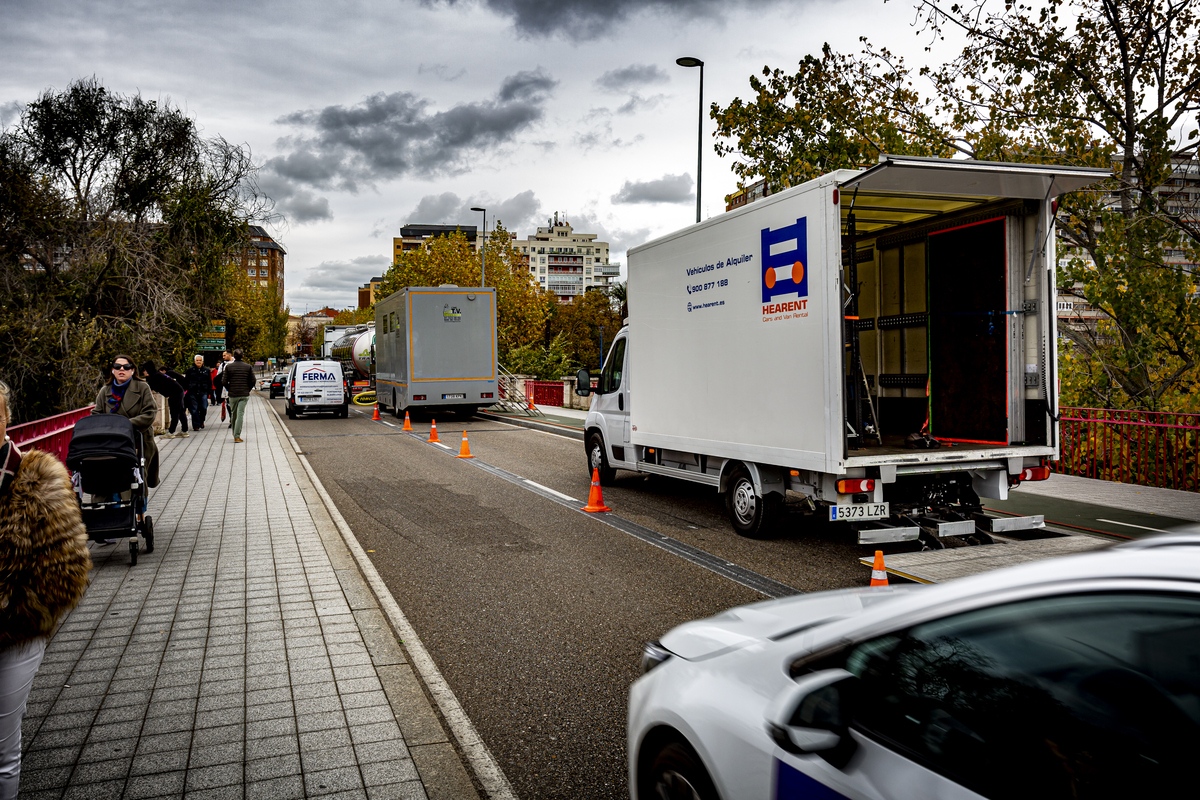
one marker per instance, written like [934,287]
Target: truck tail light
[418,397]
[856,486]
[486,395]
[1035,474]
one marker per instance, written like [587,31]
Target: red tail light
[856,486]
[418,397]
[1035,473]
[486,395]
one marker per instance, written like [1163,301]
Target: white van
[316,386]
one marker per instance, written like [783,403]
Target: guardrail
[545,393]
[49,434]
[1147,448]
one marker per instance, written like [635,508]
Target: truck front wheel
[751,515]
[598,460]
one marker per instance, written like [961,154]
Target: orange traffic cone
[878,571]
[375,416]
[407,423]
[595,498]
[465,450]
[532,407]
[433,432]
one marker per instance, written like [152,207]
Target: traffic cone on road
[407,423]
[375,417]
[433,432]
[465,450]
[595,498]
[532,407]
[879,571]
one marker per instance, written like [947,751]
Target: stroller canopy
[108,436]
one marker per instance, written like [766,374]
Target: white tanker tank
[356,352]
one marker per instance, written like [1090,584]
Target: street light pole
[688,61]
[483,250]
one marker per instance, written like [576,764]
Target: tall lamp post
[688,61]
[483,249]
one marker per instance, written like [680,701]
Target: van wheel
[751,515]
[598,459]
[344,411]
[291,411]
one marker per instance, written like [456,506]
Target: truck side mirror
[813,716]
[583,383]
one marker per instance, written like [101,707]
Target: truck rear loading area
[880,341]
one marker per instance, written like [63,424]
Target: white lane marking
[486,768]
[385,422]
[1131,525]
[551,491]
[443,446]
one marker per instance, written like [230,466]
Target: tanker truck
[355,350]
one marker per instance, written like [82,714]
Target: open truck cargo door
[920,175]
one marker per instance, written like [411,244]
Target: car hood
[772,620]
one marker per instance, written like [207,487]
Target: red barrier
[1148,448]
[49,434]
[545,393]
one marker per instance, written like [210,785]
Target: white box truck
[879,342]
[435,348]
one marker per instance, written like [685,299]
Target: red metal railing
[545,393]
[1148,448]
[49,434]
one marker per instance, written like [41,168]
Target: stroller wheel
[133,553]
[148,533]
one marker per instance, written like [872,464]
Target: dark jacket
[44,558]
[238,379]
[166,386]
[139,407]
[198,380]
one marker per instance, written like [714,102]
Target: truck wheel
[598,459]
[752,516]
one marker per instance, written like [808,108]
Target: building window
[250,272]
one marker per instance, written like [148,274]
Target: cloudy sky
[369,115]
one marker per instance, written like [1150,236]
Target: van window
[610,378]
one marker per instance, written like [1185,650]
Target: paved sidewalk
[245,657]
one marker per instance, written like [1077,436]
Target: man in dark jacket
[198,383]
[238,379]
[170,389]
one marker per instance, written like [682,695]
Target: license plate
[454,397]
[857,511]
[311,398]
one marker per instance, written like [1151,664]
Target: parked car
[276,384]
[1075,677]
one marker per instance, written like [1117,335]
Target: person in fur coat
[130,396]
[44,565]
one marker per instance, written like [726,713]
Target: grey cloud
[391,135]
[583,20]
[336,283]
[638,103]
[296,203]
[667,189]
[441,70]
[10,113]
[631,78]
[518,212]
[602,137]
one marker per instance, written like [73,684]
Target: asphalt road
[535,613]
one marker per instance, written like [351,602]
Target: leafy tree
[619,292]
[521,308]
[355,316]
[1083,82]
[260,319]
[117,220]
[579,323]
[545,362]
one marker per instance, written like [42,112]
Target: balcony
[565,288]
[607,270]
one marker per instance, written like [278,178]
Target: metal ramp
[939,566]
[512,399]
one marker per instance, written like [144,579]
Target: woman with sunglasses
[130,396]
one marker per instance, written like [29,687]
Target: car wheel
[344,411]
[751,515]
[677,774]
[291,411]
[598,459]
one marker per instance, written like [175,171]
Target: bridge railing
[1148,448]
[50,434]
[545,393]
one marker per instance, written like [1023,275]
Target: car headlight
[653,654]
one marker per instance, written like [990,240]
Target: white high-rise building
[566,263]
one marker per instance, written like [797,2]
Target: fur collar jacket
[44,559]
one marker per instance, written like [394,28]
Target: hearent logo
[318,375]
[785,272]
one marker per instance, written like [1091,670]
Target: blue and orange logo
[785,272]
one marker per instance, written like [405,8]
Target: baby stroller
[106,460]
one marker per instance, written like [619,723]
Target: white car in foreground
[1076,677]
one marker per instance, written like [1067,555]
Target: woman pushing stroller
[131,397]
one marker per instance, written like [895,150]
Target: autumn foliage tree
[1080,82]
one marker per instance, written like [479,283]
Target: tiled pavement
[244,658]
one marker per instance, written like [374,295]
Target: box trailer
[879,342]
[435,348]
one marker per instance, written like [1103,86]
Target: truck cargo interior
[943,337]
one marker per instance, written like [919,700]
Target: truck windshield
[610,378]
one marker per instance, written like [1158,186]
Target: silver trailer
[435,348]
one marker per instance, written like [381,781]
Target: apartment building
[416,236]
[368,292]
[564,262]
[263,259]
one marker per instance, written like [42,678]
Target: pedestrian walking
[219,382]
[171,389]
[197,382]
[238,379]
[128,395]
[44,567]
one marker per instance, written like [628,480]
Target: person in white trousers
[44,567]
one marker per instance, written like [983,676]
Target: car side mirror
[583,383]
[812,716]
